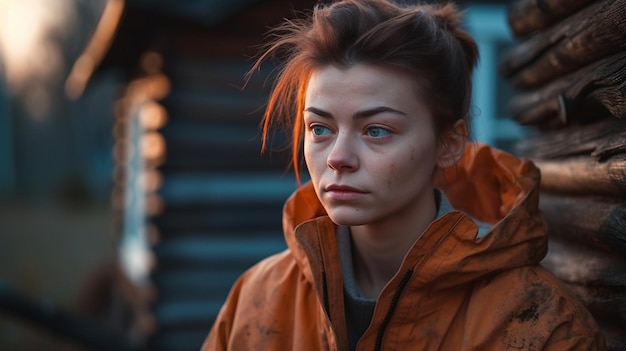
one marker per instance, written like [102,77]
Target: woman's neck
[379,249]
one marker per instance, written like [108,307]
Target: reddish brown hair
[425,41]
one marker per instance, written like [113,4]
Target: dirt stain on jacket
[529,314]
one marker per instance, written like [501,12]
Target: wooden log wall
[569,67]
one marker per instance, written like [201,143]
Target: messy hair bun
[450,18]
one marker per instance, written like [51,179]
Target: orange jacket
[452,291]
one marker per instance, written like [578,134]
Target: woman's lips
[343,192]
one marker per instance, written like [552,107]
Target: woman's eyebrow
[358,115]
[376,110]
[318,112]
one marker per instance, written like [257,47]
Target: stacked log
[569,67]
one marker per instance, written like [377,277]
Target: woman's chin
[347,218]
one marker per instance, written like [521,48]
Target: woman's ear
[452,145]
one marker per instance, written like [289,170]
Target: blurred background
[55,161]
[129,154]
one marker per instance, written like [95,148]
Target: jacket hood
[488,185]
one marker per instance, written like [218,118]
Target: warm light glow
[152,115]
[154,87]
[153,180]
[153,146]
[29,53]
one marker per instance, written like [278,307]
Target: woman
[405,238]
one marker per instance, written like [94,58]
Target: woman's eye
[377,132]
[319,130]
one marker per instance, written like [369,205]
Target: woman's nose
[342,156]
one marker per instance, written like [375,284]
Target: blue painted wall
[491,124]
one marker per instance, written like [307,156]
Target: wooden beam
[584,175]
[582,265]
[529,16]
[601,140]
[588,91]
[589,35]
[589,221]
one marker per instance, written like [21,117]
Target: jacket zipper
[392,307]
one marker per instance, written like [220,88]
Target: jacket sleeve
[219,335]
[577,329]
[529,309]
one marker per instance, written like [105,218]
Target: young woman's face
[369,144]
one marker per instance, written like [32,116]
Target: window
[492,124]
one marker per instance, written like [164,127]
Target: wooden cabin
[569,67]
